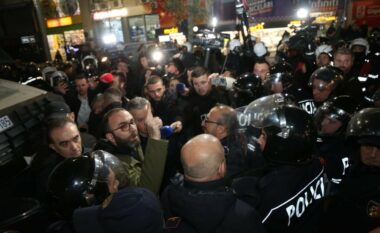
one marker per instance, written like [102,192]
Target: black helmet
[290,131]
[56,77]
[341,108]
[332,76]
[298,43]
[365,125]
[280,73]
[82,181]
[247,88]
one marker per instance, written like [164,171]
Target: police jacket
[142,170]
[336,155]
[356,208]
[207,207]
[290,197]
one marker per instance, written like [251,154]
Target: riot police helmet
[290,132]
[365,127]
[340,108]
[82,181]
[247,88]
[331,77]
[57,77]
[281,72]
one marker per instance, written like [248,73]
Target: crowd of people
[287,147]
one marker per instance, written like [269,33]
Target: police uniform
[290,190]
[290,198]
[357,207]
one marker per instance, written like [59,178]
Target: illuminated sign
[295,23]
[115,13]
[172,30]
[325,18]
[258,26]
[65,21]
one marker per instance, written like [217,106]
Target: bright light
[109,39]
[302,13]
[195,29]
[214,21]
[157,55]
[104,59]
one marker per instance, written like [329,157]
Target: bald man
[203,202]
[221,122]
[203,159]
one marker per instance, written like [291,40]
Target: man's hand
[177,126]
[153,125]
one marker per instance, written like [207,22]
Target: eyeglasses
[205,119]
[124,126]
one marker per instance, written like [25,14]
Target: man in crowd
[201,99]
[122,139]
[204,203]
[80,102]
[221,122]
[63,141]
[163,102]
[261,68]
[344,60]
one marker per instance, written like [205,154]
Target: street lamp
[302,13]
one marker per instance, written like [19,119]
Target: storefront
[63,26]
[62,39]
[125,25]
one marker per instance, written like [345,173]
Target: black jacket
[208,207]
[350,210]
[166,109]
[200,105]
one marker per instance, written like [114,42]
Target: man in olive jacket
[122,139]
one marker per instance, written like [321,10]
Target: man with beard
[121,138]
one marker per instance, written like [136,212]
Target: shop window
[136,27]
[152,23]
[143,28]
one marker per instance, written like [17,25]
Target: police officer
[356,208]
[326,82]
[331,120]
[246,89]
[90,192]
[291,187]
[281,80]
